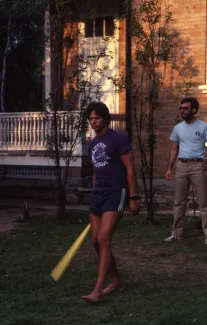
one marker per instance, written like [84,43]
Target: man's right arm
[172,158]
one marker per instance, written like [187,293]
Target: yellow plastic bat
[60,268]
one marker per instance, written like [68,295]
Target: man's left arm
[128,162]
[205,143]
[205,133]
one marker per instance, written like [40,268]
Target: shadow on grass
[163,284]
[27,322]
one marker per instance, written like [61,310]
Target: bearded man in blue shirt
[189,138]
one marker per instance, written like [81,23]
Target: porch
[23,139]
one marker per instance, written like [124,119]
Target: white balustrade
[28,131]
[21,131]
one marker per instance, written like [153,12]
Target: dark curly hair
[100,109]
[193,101]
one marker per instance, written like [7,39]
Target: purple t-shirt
[105,154]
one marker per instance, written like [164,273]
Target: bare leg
[113,272]
[106,259]
[116,284]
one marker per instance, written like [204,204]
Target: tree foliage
[154,41]
[21,54]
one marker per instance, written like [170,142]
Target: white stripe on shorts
[123,197]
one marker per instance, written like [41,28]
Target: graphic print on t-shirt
[99,156]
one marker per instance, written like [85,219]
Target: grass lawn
[165,284]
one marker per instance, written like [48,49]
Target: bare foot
[94,297]
[112,287]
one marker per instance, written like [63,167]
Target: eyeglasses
[184,108]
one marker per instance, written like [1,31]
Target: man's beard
[188,117]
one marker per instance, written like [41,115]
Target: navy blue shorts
[108,200]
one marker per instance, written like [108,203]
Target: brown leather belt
[185,160]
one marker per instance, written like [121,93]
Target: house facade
[23,134]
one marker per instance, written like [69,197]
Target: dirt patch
[8,218]
[163,262]
[11,218]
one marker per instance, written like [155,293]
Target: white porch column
[47,55]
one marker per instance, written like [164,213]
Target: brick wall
[190,21]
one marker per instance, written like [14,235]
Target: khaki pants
[186,174]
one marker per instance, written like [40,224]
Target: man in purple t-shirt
[114,182]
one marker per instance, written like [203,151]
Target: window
[109,26]
[89,28]
[100,27]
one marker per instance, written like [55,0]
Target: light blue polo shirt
[191,138]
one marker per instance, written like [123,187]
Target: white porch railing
[22,131]
[27,131]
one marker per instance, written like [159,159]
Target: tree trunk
[61,214]
[151,166]
[4,65]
